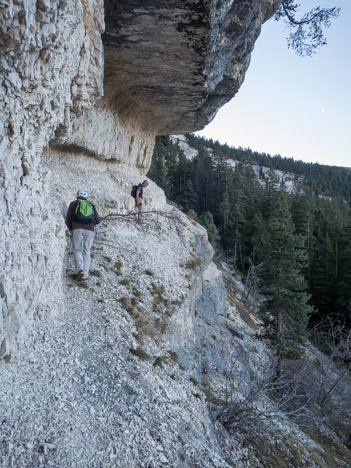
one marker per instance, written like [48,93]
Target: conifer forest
[295,243]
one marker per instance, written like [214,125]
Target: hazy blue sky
[294,106]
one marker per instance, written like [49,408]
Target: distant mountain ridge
[293,182]
[328,181]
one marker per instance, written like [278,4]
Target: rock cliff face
[165,68]
[168,68]
[51,66]
[196,52]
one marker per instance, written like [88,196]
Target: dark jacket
[140,191]
[72,224]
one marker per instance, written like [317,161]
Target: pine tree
[224,213]
[286,309]
[204,181]
[238,200]
[188,196]
[208,223]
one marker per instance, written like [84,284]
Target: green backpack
[84,212]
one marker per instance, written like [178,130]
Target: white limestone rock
[51,64]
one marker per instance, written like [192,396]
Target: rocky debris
[114,377]
[102,384]
[234,331]
[79,396]
[122,373]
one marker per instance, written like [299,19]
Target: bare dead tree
[266,397]
[326,378]
[251,283]
[173,218]
[334,340]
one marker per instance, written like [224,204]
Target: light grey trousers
[140,212]
[82,240]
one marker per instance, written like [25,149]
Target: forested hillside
[323,180]
[254,219]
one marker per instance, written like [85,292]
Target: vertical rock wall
[51,66]
[104,134]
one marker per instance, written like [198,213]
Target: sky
[297,107]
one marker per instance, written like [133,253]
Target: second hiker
[139,192]
[80,219]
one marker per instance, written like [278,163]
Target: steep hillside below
[232,191]
[99,383]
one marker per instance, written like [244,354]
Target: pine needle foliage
[286,309]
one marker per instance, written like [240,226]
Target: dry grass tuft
[246,316]
[193,263]
[140,353]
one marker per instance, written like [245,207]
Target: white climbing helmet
[82,194]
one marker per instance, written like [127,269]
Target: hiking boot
[85,279]
[140,221]
[80,275]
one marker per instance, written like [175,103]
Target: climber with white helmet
[81,219]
